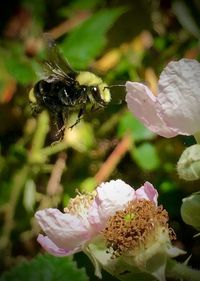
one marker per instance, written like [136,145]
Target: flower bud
[190,210]
[188,166]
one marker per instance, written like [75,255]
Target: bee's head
[98,89]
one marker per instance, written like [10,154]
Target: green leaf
[137,130]
[46,268]
[20,69]
[87,40]
[16,64]
[146,156]
[167,186]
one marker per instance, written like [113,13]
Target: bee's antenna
[120,85]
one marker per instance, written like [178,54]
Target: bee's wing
[55,64]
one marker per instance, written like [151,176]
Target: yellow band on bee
[32,97]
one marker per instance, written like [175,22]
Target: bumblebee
[63,90]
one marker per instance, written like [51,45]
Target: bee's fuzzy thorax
[90,79]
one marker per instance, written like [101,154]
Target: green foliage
[77,5]
[146,156]
[17,65]
[115,44]
[20,70]
[87,41]
[46,268]
[138,131]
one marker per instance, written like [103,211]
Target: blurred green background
[120,41]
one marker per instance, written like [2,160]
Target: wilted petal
[179,96]
[65,230]
[53,249]
[111,196]
[148,192]
[143,104]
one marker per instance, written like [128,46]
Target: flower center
[135,227]
[80,204]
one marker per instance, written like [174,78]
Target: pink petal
[143,104]
[53,249]
[179,96]
[65,230]
[148,192]
[111,196]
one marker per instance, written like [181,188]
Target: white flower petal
[111,196]
[65,230]
[53,249]
[179,96]
[143,104]
[148,192]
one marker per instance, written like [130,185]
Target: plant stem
[181,271]
[110,164]
[40,133]
[18,182]
[53,149]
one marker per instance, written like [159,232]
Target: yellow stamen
[133,228]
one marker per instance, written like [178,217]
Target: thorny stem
[53,186]
[67,25]
[53,149]
[110,164]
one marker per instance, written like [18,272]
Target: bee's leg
[57,127]
[95,108]
[65,116]
[35,109]
[81,112]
